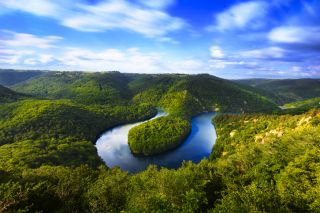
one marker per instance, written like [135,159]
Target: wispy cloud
[121,14]
[158,3]
[36,7]
[264,53]
[147,18]
[216,52]
[14,39]
[296,35]
[128,60]
[242,15]
[252,37]
[13,57]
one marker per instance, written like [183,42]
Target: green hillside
[208,93]
[11,77]
[7,95]
[274,97]
[308,104]
[87,88]
[272,162]
[48,161]
[289,89]
[58,132]
[261,163]
[191,94]
[180,94]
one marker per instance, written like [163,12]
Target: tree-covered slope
[7,95]
[180,94]
[289,89]
[261,163]
[48,163]
[272,162]
[58,132]
[306,104]
[11,77]
[191,94]
[88,88]
[158,135]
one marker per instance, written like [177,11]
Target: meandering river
[113,146]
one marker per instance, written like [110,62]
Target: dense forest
[307,104]
[178,94]
[158,135]
[264,160]
[285,90]
[7,95]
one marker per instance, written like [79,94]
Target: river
[113,146]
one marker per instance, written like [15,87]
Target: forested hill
[309,103]
[9,77]
[181,94]
[48,161]
[288,89]
[7,95]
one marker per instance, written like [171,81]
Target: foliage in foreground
[272,162]
[158,135]
[261,163]
[48,163]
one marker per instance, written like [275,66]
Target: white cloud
[147,17]
[129,60]
[314,70]
[46,58]
[30,61]
[264,53]
[12,57]
[224,63]
[136,61]
[157,3]
[189,66]
[296,68]
[13,39]
[247,14]
[216,52]
[121,14]
[295,34]
[37,7]
[168,40]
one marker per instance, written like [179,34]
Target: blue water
[113,146]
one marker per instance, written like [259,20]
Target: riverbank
[113,147]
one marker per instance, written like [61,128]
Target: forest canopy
[264,159]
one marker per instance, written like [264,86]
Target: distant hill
[288,90]
[186,94]
[197,93]
[306,104]
[7,95]
[96,88]
[10,77]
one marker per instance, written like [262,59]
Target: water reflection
[113,146]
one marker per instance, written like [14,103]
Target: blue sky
[226,38]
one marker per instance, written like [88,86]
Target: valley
[60,129]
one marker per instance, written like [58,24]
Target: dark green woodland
[265,159]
